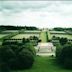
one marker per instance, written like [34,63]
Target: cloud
[21,5]
[36,13]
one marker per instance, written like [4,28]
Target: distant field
[2,35]
[20,36]
[10,31]
[32,31]
[58,32]
[62,35]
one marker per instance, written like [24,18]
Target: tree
[17,56]
[64,56]
[63,41]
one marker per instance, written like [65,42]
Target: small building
[46,49]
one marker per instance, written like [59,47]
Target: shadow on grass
[45,64]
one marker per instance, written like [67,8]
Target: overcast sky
[36,13]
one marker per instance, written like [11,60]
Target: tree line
[18,27]
[14,56]
[62,29]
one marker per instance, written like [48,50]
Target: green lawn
[43,36]
[57,32]
[2,35]
[10,31]
[20,36]
[44,64]
[62,35]
[32,31]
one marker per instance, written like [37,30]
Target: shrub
[58,51]
[30,47]
[23,60]
[63,41]
[65,56]
[16,56]
[4,67]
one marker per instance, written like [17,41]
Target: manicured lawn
[45,64]
[2,35]
[7,31]
[62,35]
[20,36]
[58,32]
[32,31]
[43,36]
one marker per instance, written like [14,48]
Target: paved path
[45,54]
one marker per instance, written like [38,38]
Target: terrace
[46,49]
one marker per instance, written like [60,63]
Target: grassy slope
[45,64]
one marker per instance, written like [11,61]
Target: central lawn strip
[43,36]
[44,64]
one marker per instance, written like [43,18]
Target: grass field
[2,35]
[10,31]
[62,35]
[20,36]
[45,64]
[58,32]
[33,31]
[43,36]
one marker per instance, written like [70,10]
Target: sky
[42,14]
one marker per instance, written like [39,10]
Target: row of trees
[18,28]
[32,39]
[62,29]
[64,53]
[61,40]
[16,56]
